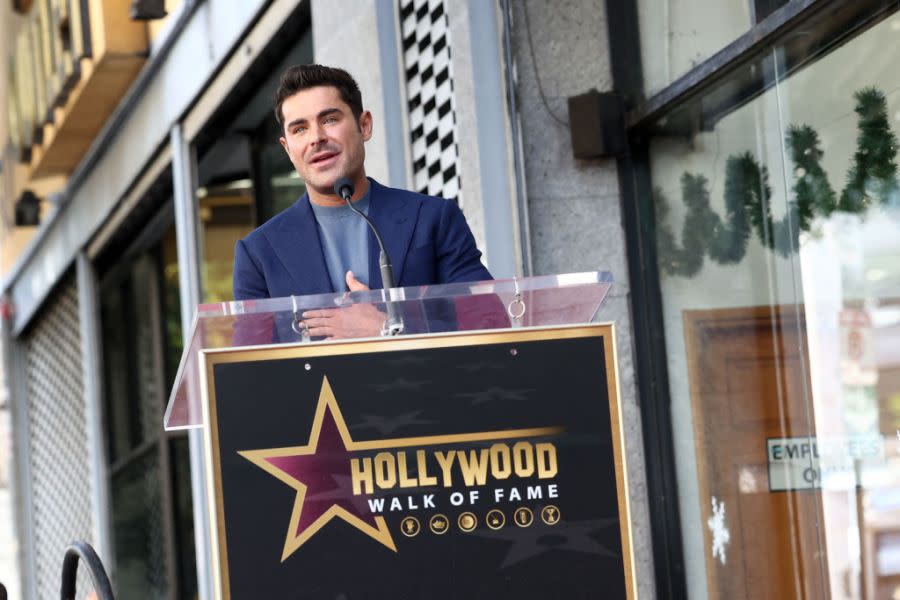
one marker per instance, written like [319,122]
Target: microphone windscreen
[343,187]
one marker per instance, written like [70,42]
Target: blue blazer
[427,239]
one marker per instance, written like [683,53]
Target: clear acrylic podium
[567,299]
[395,455]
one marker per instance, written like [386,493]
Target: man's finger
[322,313]
[321,331]
[317,322]
[354,284]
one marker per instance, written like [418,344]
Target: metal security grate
[58,451]
[425,36]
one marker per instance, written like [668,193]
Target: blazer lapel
[395,217]
[296,243]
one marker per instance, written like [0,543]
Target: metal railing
[84,552]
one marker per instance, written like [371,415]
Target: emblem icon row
[495,519]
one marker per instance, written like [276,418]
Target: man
[318,245]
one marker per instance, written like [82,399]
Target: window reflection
[246,178]
[778,234]
[255,183]
[678,35]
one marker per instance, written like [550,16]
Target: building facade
[733,164]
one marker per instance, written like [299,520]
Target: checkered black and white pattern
[425,32]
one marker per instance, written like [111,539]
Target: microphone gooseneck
[344,189]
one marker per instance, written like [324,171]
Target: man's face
[323,139]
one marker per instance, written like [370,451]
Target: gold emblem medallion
[550,515]
[495,519]
[467,521]
[439,524]
[523,516]
[410,526]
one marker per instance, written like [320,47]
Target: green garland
[699,225]
[745,185]
[813,194]
[873,175]
[748,195]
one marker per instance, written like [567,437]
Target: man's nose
[319,134]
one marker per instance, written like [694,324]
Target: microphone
[344,189]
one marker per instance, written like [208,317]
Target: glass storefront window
[149,470]
[259,183]
[778,235]
[226,215]
[677,35]
[133,364]
[138,529]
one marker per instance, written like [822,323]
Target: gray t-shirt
[345,241]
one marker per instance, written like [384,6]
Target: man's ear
[365,125]
[283,143]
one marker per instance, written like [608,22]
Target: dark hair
[302,77]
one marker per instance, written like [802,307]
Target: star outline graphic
[380,532]
[293,540]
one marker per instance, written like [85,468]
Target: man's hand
[354,284]
[354,321]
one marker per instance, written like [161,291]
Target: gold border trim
[618,439]
[293,541]
[210,358]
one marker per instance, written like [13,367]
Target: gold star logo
[320,463]
[320,472]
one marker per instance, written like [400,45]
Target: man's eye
[299,130]
[330,119]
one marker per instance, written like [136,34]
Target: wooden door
[749,382]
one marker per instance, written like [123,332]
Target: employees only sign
[799,463]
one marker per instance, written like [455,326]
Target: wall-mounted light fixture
[148,10]
[597,125]
[22,6]
[28,210]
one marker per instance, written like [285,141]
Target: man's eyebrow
[322,113]
[327,111]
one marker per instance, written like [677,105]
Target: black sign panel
[467,466]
